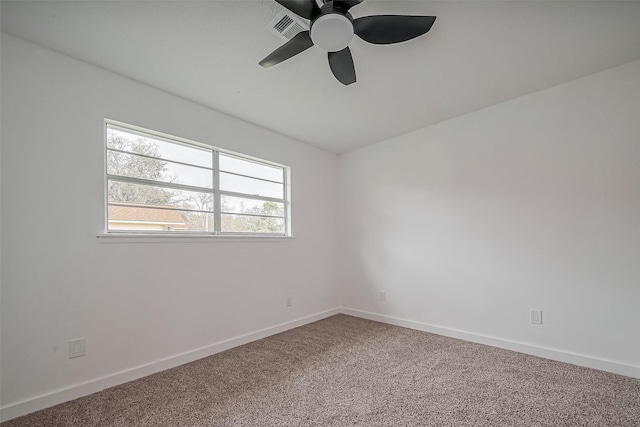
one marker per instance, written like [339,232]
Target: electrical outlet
[76,348]
[536,317]
[383,295]
[289,301]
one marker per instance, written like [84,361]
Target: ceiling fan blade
[299,43]
[346,4]
[387,29]
[306,8]
[342,67]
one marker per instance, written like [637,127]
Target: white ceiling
[477,54]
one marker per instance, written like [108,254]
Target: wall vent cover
[287,25]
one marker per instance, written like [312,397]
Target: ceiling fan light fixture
[332,28]
[332,32]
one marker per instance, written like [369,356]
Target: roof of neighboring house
[145,213]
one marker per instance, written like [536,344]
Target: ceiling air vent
[286,25]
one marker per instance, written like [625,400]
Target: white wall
[135,303]
[533,203]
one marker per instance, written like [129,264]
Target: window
[162,184]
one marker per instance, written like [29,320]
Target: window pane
[251,206]
[251,224]
[149,218]
[198,221]
[154,196]
[135,166]
[241,184]
[249,168]
[137,144]
[143,167]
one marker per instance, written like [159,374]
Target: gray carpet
[345,371]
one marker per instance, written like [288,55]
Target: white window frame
[215,191]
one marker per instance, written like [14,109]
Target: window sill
[165,238]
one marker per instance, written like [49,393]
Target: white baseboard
[18,409]
[547,353]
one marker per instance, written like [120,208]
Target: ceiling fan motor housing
[332,29]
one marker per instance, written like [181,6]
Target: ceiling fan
[332,29]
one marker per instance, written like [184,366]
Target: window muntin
[154,169]
[246,206]
[158,184]
[249,168]
[250,186]
[124,192]
[168,150]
